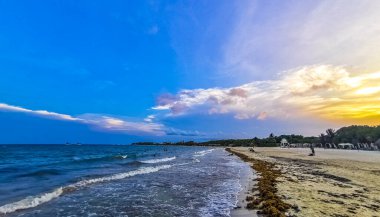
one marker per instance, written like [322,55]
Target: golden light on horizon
[350,99]
[368,90]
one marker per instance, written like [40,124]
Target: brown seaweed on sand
[267,201]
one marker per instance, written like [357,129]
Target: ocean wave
[203,153]
[121,156]
[30,202]
[130,163]
[144,170]
[220,203]
[39,173]
[99,158]
[153,161]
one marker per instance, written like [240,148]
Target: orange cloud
[326,91]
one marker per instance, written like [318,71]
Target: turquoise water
[108,180]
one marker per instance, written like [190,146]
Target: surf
[203,153]
[153,161]
[33,201]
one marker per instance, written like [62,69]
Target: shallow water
[70,180]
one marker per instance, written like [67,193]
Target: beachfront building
[346,145]
[306,145]
[284,143]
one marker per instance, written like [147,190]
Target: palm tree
[330,135]
[322,138]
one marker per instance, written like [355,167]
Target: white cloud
[108,123]
[42,113]
[322,90]
[177,132]
[341,32]
[101,122]
[150,118]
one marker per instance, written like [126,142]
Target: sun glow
[328,92]
[368,91]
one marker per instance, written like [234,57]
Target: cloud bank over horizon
[106,123]
[329,92]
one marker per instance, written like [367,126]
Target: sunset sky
[124,71]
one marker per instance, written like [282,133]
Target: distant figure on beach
[253,148]
[312,150]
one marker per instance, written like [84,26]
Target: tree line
[351,134]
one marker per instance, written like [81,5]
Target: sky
[124,71]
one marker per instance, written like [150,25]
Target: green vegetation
[357,134]
[352,134]
[270,141]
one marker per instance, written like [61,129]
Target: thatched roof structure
[345,144]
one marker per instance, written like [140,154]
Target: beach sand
[332,183]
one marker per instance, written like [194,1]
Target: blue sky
[124,71]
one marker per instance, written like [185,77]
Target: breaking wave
[30,202]
[203,153]
[99,158]
[153,161]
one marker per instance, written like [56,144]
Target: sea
[118,180]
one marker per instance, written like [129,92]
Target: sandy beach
[332,183]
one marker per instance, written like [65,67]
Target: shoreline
[263,196]
[247,182]
[332,183]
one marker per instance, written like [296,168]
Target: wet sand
[247,184]
[332,183]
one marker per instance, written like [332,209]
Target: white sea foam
[221,203]
[118,176]
[76,158]
[196,160]
[153,161]
[203,153]
[122,156]
[31,202]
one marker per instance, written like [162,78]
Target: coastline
[332,183]
[247,183]
[177,181]
[263,196]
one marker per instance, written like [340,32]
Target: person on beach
[253,148]
[312,150]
